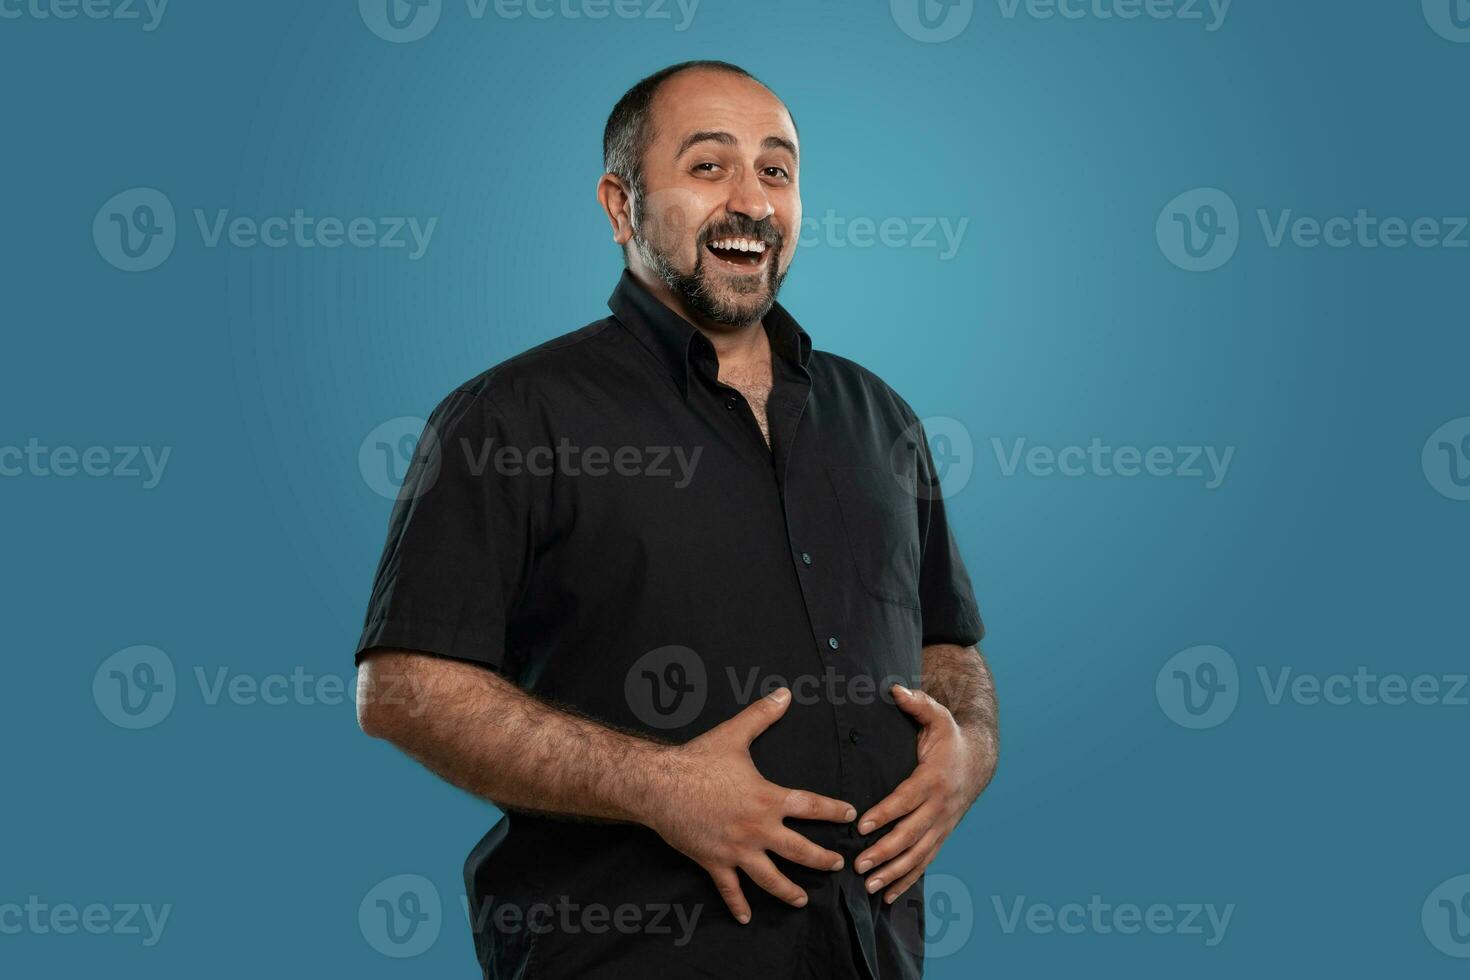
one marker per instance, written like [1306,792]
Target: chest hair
[756,387]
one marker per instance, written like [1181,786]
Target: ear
[613,195]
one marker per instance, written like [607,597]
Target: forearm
[483,734]
[958,678]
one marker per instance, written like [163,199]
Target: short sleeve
[946,598]
[457,542]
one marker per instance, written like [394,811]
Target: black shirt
[600,520]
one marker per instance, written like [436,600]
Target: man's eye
[778,172]
[706,167]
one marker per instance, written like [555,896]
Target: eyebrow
[727,139]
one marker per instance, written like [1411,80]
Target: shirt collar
[672,339]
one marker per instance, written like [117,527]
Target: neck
[737,346]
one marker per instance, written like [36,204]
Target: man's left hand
[954,767]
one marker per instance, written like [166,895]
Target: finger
[794,847]
[906,797]
[894,870]
[904,835]
[909,880]
[918,704]
[764,874]
[759,716]
[812,806]
[727,883]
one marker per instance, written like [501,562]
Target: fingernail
[800,902]
[903,690]
[866,827]
[849,815]
[743,919]
[779,696]
[875,884]
[889,898]
[837,865]
[864,865]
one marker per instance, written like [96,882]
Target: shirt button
[832,642]
[730,404]
[806,559]
[853,736]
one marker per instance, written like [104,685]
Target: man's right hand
[717,809]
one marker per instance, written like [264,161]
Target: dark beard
[694,289]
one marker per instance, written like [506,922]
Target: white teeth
[739,245]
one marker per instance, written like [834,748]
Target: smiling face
[719,212]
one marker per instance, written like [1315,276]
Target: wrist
[646,790]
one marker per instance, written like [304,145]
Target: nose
[748,197]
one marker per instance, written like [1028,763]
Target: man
[661,589]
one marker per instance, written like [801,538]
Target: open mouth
[739,253]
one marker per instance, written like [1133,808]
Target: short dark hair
[629,128]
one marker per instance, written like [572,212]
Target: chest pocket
[882,527]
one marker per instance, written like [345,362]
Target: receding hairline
[768,142]
[616,148]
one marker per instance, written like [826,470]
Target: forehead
[705,99]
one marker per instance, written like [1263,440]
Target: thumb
[915,703]
[760,715]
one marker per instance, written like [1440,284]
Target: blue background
[1059,319]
